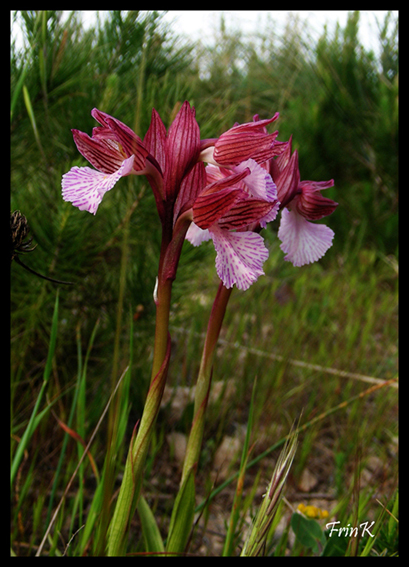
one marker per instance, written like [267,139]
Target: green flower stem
[204,379]
[133,474]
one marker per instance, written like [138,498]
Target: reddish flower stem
[205,377]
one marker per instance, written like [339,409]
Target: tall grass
[312,337]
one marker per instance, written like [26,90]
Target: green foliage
[182,515]
[382,541]
[151,534]
[308,532]
[36,414]
[387,541]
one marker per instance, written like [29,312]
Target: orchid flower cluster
[250,176]
[224,189]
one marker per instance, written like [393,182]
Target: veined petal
[227,180]
[280,163]
[302,241]
[217,198]
[261,186]
[182,148]
[247,211]
[240,256]
[209,208]
[84,187]
[190,188]
[311,204]
[270,216]
[155,140]
[130,143]
[287,179]
[214,173]
[234,147]
[259,181]
[110,144]
[257,124]
[105,155]
[103,118]
[245,141]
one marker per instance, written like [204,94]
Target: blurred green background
[337,99]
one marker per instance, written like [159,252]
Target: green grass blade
[31,115]
[236,508]
[256,540]
[151,534]
[80,380]
[47,371]
[46,535]
[182,515]
[18,88]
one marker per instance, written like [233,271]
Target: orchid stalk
[204,378]
[183,511]
[249,178]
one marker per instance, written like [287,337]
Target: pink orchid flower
[249,176]
[231,217]
[115,151]
[229,209]
[302,241]
[226,202]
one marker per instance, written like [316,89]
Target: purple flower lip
[229,209]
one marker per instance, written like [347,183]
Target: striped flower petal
[244,141]
[246,212]
[218,198]
[182,148]
[302,241]
[84,187]
[311,204]
[103,154]
[128,142]
[261,186]
[240,256]
[208,209]
[286,178]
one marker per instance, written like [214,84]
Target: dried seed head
[21,243]
[19,230]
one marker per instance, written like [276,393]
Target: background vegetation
[314,337]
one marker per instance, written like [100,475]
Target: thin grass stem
[47,372]
[84,454]
[299,429]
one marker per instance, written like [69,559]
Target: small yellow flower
[312,511]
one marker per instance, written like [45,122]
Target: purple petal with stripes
[240,256]
[84,187]
[302,241]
